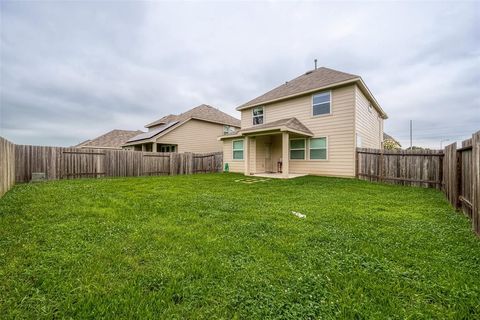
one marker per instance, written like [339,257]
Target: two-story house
[309,125]
[196,130]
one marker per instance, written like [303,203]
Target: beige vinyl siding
[260,153]
[338,127]
[259,159]
[234,165]
[252,154]
[276,151]
[369,125]
[195,136]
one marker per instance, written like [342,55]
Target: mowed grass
[208,246]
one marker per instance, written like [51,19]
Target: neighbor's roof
[389,137]
[153,133]
[81,144]
[202,112]
[321,78]
[113,139]
[166,124]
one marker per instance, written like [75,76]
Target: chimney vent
[315,64]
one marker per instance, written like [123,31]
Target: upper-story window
[321,103]
[257,114]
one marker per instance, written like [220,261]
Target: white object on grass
[298,214]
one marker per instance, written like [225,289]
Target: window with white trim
[318,148]
[257,115]
[297,149]
[237,147]
[228,129]
[321,103]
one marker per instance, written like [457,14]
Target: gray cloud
[73,70]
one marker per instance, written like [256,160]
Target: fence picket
[71,163]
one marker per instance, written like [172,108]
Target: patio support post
[285,157]
[143,147]
[154,147]
[246,155]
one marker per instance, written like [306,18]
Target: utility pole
[411,125]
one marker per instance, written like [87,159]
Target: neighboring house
[196,130]
[390,143]
[110,140]
[310,125]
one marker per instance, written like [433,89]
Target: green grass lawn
[208,246]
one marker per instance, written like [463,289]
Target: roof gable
[112,139]
[152,133]
[311,80]
[289,123]
[202,112]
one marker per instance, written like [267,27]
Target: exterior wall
[338,127]
[368,124]
[262,163]
[195,136]
[257,154]
[260,153]
[276,151]
[252,154]
[234,165]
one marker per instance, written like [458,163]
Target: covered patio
[279,175]
[267,148]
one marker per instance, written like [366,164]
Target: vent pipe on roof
[315,64]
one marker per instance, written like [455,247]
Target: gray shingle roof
[151,134]
[289,123]
[311,80]
[113,139]
[202,112]
[389,137]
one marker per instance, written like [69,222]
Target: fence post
[458,182]
[172,164]
[380,169]
[356,162]
[476,182]
[440,173]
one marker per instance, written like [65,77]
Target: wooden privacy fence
[413,168]
[7,165]
[462,178]
[71,163]
[455,171]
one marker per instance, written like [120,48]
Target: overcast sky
[74,70]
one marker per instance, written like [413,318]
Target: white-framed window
[228,129]
[318,148]
[322,103]
[297,149]
[237,147]
[257,115]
